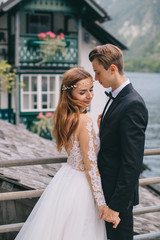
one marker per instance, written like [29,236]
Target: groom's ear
[113,68]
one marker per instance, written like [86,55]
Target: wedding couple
[92,196]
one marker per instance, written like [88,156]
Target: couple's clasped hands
[109,215]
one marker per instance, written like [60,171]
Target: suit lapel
[115,103]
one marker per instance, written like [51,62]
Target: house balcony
[30,55]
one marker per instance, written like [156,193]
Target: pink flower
[41,35]
[49,114]
[58,37]
[51,34]
[40,115]
[61,35]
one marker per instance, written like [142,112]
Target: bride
[71,206]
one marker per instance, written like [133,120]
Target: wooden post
[17,33]
[79,40]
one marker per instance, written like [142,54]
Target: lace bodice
[83,157]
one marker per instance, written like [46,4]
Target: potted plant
[44,125]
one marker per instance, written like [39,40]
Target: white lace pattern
[75,158]
[83,157]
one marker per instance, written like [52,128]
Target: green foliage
[7,77]
[142,65]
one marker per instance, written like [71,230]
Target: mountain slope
[136,24]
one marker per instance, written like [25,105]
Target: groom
[122,135]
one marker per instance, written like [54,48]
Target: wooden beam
[148,236]
[149,152]
[146,181]
[21,194]
[10,227]
[143,210]
[33,161]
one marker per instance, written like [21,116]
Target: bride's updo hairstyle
[66,115]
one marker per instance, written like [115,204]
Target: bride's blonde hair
[66,115]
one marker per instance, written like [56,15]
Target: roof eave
[100,33]
[9,5]
[103,16]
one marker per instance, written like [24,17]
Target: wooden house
[20,23]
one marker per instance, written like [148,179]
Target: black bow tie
[109,94]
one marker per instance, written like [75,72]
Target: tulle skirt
[65,211]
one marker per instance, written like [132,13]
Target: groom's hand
[112,216]
[99,120]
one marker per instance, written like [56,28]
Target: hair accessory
[64,88]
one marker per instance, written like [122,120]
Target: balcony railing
[30,56]
[15,227]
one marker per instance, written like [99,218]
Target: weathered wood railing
[62,159]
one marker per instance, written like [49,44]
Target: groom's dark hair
[106,55]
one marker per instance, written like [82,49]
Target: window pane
[26,101]
[44,106]
[33,23]
[44,97]
[52,101]
[44,101]
[34,101]
[26,84]
[44,23]
[52,83]
[39,23]
[44,84]
[34,84]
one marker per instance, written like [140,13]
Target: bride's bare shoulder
[83,120]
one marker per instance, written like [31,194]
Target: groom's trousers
[124,231]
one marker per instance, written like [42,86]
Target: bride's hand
[99,120]
[101,211]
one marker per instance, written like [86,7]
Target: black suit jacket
[122,137]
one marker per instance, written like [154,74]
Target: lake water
[148,85]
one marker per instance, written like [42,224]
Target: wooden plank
[146,210]
[37,193]
[146,181]
[33,161]
[11,227]
[149,152]
[149,236]
[21,195]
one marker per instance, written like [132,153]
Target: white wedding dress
[67,210]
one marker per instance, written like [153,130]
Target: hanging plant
[51,45]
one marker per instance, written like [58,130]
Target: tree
[7,81]
[7,77]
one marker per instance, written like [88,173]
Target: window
[39,22]
[40,92]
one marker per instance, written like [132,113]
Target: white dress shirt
[115,93]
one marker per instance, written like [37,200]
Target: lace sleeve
[88,146]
